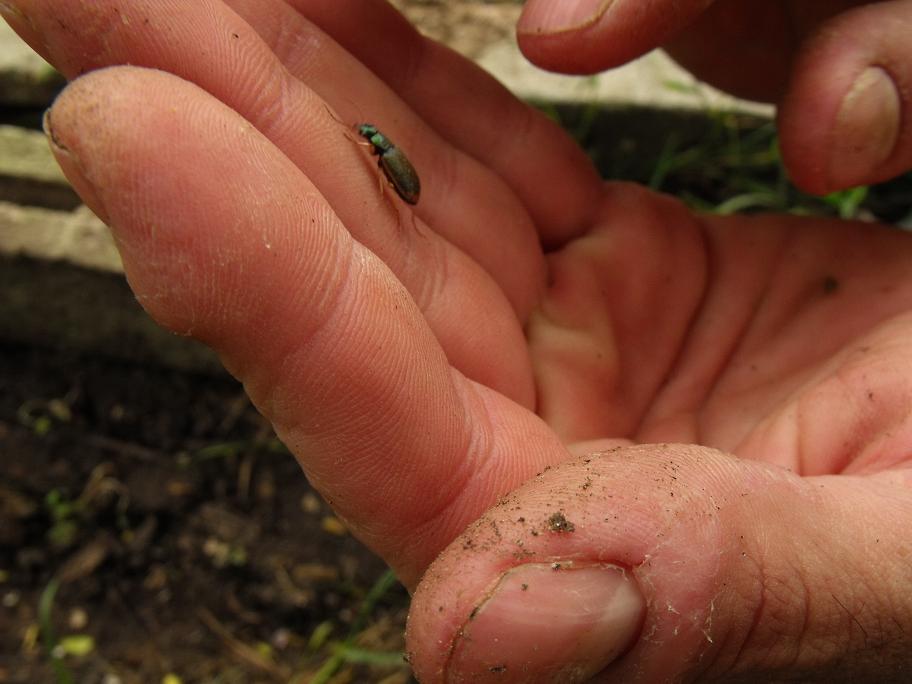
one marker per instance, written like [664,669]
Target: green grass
[716,162]
[347,651]
[62,674]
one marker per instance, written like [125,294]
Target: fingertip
[566,36]
[843,120]
[836,143]
[587,36]
[58,127]
[91,116]
[866,130]
[571,37]
[544,16]
[556,582]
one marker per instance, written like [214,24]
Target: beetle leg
[380,178]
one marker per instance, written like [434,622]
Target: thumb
[668,562]
[844,117]
[586,36]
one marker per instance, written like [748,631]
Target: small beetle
[393,162]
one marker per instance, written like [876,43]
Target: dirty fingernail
[866,130]
[549,625]
[73,170]
[553,16]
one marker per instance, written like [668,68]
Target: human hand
[840,70]
[390,355]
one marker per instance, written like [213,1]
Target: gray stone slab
[77,237]
[25,154]
[28,173]
[36,207]
[25,78]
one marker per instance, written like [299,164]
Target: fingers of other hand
[585,36]
[844,119]
[665,563]
[844,113]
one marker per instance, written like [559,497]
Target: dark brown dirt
[184,538]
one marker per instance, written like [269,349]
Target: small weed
[222,450]
[346,651]
[49,635]
[40,415]
[65,515]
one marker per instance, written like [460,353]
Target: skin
[803,55]
[449,386]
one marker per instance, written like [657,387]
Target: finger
[527,150]
[223,238]
[210,45]
[587,36]
[671,563]
[844,119]
[748,48]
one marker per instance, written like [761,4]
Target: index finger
[594,35]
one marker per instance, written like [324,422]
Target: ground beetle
[393,162]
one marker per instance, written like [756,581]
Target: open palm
[421,365]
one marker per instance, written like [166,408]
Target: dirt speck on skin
[558,522]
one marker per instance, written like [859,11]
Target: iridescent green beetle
[393,162]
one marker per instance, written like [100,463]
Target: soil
[184,538]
